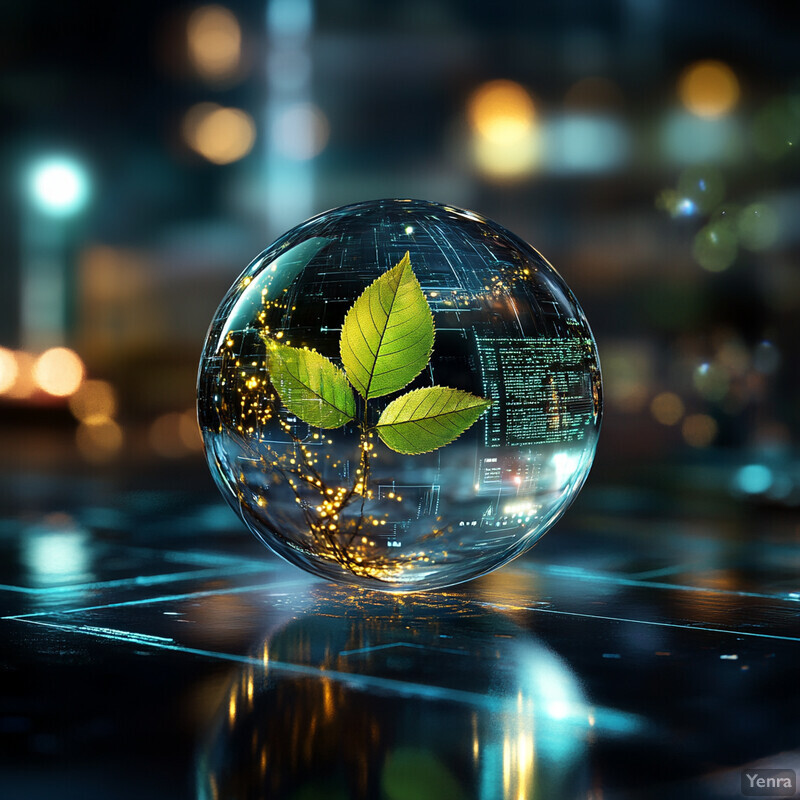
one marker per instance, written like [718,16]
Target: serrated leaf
[310,386]
[426,419]
[387,335]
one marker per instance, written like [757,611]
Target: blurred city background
[648,149]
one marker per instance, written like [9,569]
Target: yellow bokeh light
[502,117]
[94,399]
[667,408]
[24,385]
[220,135]
[99,439]
[699,430]
[58,371]
[8,370]
[708,88]
[501,111]
[214,39]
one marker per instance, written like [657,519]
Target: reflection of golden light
[214,40]
[699,430]
[708,88]
[98,439]
[8,370]
[502,115]
[93,399]
[58,371]
[667,408]
[220,135]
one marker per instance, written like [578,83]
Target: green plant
[386,341]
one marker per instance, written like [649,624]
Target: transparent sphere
[399,395]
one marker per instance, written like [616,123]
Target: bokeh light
[99,439]
[214,41]
[757,226]
[220,135]
[699,430]
[667,408]
[189,431]
[716,246]
[94,399]
[24,385]
[711,382]
[703,186]
[708,88]
[301,131]
[585,143]
[688,139]
[58,186]
[753,478]
[776,127]
[8,369]
[58,371]
[502,117]
[165,436]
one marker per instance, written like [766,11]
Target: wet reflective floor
[151,648]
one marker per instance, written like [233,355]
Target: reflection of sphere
[344,500]
[409,702]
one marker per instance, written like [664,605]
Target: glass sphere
[399,395]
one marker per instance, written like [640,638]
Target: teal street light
[57,189]
[58,186]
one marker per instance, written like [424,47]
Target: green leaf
[426,419]
[310,386]
[387,336]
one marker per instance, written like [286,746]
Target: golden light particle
[99,439]
[708,88]
[214,41]
[95,398]
[8,369]
[667,408]
[58,371]
[699,430]
[220,135]
[502,118]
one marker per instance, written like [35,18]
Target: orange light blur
[99,439]
[8,370]
[24,385]
[58,371]
[501,111]
[220,135]
[667,408]
[502,117]
[699,430]
[164,436]
[189,431]
[93,399]
[214,39]
[708,88]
